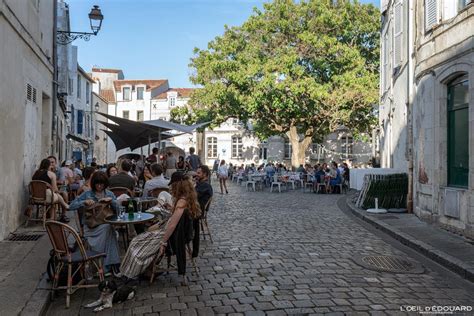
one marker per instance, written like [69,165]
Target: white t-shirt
[223,171]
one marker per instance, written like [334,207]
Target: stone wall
[26,66]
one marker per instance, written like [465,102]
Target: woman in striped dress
[144,247]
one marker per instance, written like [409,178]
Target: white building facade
[81,110]
[436,80]
[26,103]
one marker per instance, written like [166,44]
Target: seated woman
[146,246]
[181,165]
[101,238]
[52,196]
[335,176]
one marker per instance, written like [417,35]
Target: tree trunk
[298,147]
[200,142]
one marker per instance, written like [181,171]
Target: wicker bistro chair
[118,191]
[179,245]
[75,261]
[203,221]
[38,199]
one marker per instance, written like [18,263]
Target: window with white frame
[88,92]
[347,146]
[288,149]
[140,116]
[172,101]
[235,121]
[78,86]
[126,114]
[237,146]
[263,153]
[386,59]
[140,91]
[212,147]
[398,34]
[70,86]
[126,93]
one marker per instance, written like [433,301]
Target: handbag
[96,214]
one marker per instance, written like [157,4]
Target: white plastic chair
[276,183]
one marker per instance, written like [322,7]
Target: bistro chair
[78,261]
[38,199]
[275,182]
[250,184]
[321,183]
[203,221]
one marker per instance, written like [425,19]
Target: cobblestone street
[288,253]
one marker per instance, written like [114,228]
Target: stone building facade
[26,103]
[440,124]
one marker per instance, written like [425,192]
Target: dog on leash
[110,294]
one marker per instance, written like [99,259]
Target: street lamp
[95,17]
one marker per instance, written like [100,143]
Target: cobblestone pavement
[288,253]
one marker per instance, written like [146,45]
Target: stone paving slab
[287,253]
[450,250]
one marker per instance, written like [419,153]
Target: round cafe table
[115,220]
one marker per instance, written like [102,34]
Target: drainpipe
[409,105]
[55,79]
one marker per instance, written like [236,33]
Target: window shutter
[80,121]
[431,13]
[386,56]
[398,34]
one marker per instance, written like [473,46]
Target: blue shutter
[73,120]
[80,121]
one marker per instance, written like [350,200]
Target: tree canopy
[295,68]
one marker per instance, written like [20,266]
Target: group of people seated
[331,175]
[189,193]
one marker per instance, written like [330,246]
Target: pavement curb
[429,251]
[40,299]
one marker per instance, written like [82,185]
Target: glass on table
[121,212]
[139,206]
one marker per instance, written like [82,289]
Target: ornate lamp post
[95,17]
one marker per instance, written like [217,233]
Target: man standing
[204,194]
[170,165]
[153,156]
[193,159]
[158,181]
[123,179]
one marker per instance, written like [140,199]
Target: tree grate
[23,237]
[389,264]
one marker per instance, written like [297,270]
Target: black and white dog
[109,294]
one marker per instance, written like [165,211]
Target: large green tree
[295,68]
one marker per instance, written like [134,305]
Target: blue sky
[154,39]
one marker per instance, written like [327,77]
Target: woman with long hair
[223,174]
[144,247]
[44,174]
